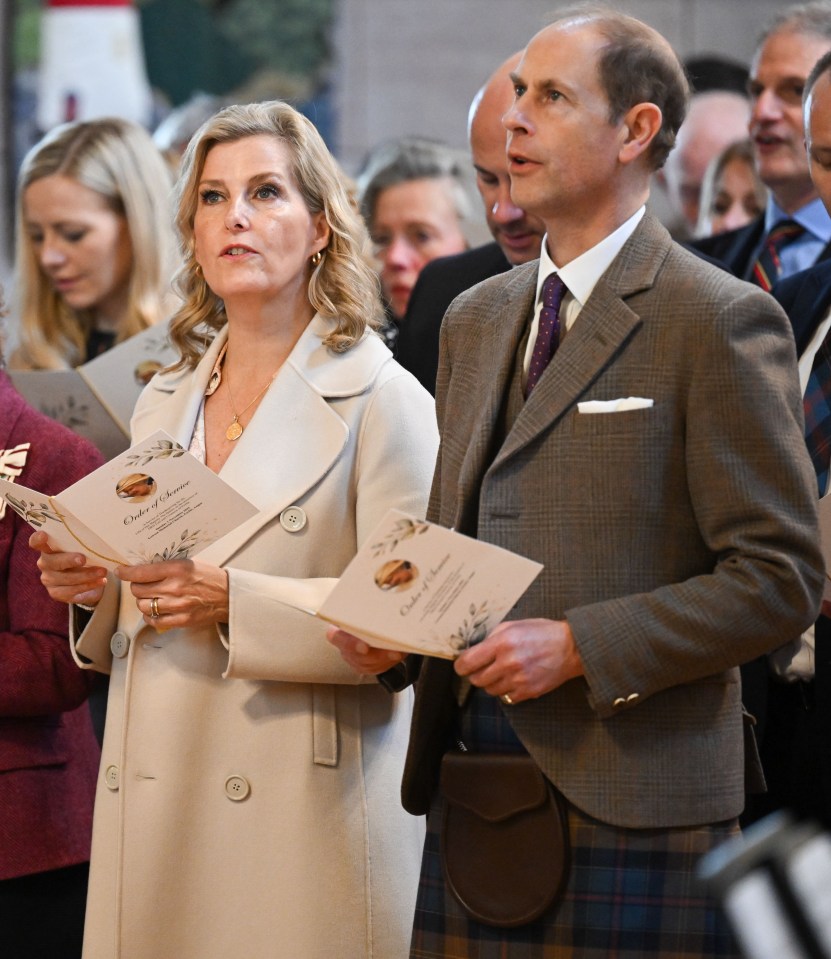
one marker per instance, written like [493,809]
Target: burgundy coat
[48,752]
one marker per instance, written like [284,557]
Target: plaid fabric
[817,405]
[768,268]
[631,892]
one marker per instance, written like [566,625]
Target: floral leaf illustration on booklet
[418,587]
[153,502]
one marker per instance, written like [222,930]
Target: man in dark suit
[795,230]
[656,467]
[517,235]
[793,696]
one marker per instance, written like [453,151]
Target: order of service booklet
[96,400]
[154,502]
[421,588]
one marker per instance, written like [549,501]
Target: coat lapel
[173,399]
[295,437]
[292,442]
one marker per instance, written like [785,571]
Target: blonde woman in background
[95,248]
[249,797]
[732,194]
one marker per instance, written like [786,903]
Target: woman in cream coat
[248,796]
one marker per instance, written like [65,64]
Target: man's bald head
[493,99]
[518,234]
[715,120]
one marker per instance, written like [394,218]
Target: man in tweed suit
[678,533]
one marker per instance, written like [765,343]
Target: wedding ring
[154,608]
[506,699]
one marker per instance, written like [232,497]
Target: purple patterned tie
[548,330]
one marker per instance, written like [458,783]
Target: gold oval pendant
[234,431]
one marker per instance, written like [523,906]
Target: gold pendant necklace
[235,428]
[234,431]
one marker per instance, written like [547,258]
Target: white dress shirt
[580,277]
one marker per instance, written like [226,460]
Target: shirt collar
[582,273]
[813,217]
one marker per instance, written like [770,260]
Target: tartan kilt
[631,892]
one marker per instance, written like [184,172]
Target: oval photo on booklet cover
[397,574]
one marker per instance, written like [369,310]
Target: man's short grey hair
[812,18]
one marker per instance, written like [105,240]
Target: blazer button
[119,645]
[237,788]
[111,777]
[293,519]
[620,701]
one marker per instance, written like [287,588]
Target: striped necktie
[548,330]
[768,267]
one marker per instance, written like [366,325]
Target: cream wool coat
[248,801]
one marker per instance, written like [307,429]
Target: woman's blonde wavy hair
[118,160]
[343,287]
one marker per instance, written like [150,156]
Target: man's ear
[640,126]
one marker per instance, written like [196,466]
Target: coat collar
[329,374]
[296,435]
[605,323]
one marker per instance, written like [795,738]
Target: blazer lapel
[810,305]
[744,248]
[601,331]
[512,308]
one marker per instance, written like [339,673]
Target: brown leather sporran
[504,837]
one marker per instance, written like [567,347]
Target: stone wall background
[410,66]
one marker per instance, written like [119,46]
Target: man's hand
[523,659]
[364,659]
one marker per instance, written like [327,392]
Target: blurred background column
[7,163]
[92,63]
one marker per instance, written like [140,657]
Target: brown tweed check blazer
[678,540]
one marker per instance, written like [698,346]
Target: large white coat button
[293,519]
[111,777]
[237,788]
[119,645]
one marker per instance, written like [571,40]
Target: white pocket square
[615,406]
